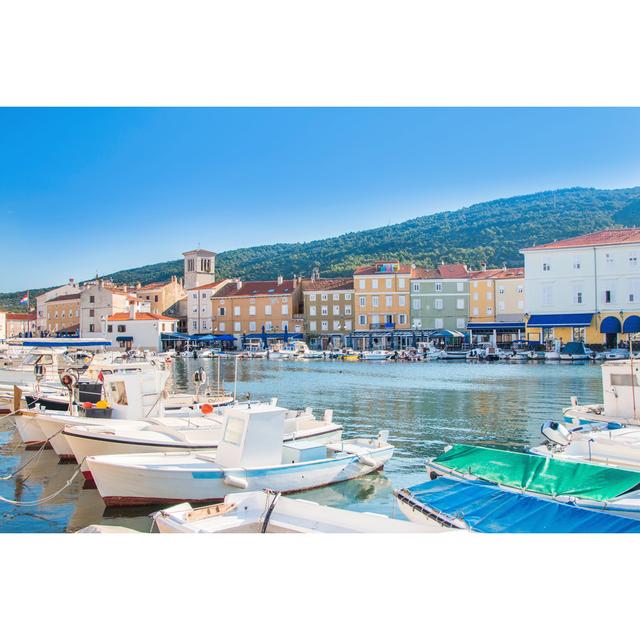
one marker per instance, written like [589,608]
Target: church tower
[199,268]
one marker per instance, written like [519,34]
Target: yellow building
[62,314]
[162,296]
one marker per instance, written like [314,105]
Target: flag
[25,298]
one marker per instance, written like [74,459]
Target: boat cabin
[621,388]
[136,395]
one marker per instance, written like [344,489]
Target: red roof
[21,316]
[256,288]
[497,274]
[328,284]
[140,315]
[606,237]
[153,285]
[443,272]
[68,296]
[211,285]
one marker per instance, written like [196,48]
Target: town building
[382,306]
[585,288]
[496,305]
[20,325]
[440,298]
[200,312]
[99,300]
[3,325]
[62,315]
[258,311]
[42,323]
[328,311]
[199,268]
[163,297]
[138,328]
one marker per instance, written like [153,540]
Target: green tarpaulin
[539,473]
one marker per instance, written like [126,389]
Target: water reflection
[424,406]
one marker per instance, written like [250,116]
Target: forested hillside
[491,232]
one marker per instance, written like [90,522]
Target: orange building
[62,314]
[163,297]
[245,309]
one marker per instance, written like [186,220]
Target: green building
[440,298]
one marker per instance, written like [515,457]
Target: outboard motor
[199,379]
[557,434]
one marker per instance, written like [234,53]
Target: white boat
[552,355]
[453,354]
[250,457]
[376,354]
[613,354]
[265,512]
[621,394]
[296,349]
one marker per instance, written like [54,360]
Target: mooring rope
[34,503]
[35,456]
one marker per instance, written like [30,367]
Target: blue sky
[86,190]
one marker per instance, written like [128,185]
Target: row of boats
[141,444]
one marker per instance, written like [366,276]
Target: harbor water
[425,406]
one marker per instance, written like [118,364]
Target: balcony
[382,325]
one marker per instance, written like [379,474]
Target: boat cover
[487,509]
[539,474]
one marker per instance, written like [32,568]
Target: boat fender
[235,481]
[367,460]
[556,433]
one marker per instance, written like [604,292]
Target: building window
[388,283]
[122,328]
[520,289]
[222,326]
[501,290]
[438,304]
[336,310]
[336,296]
[312,297]
[489,295]
[252,310]
[374,284]
[402,301]
[416,287]
[362,302]
[267,309]
[475,284]
[577,263]
[336,325]
[110,328]
[501,305]
[285,309]
[92,299]
[325,325]
[312,325]
[236,326]
[236,311]
[460,286]
[608,296]
[438,287]
[577,296]
[362,320]
[324,296]
[347,296]
[362,284]
[191,264]
[374,301]
[347,309]
[92,313]
[438,323]
[400,283]
[222,311]
[416,304]
[608,258]
[375,318]
[633,259]
[92,328]
[252,326]
[388,300]
[324,310]
[312,310]
[402,318]
[475,295]
[268,325]
[194,324]
[347,325]
[460,303]
[194,296]
[475,311]
[489,310]
[460,323]
[546,266]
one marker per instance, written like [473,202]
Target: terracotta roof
[442,272]
[69,296]
[153,285]
[256,288]
[21,316]
[328,284]
[140,315]
[497,274]
[605,237]
[372,269]
[211,285]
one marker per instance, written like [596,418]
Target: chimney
[132,310]
[124,287]
[238,284]
[138,285]
[504,266]
[442,262]
[279,280]
[413,266]
[483,266]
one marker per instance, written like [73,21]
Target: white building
[137,328]
[41,301]
[199,308]
[584,288]
[98,301]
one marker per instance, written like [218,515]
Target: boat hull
[183,478]
[29,430]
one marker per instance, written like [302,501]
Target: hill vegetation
[491,232]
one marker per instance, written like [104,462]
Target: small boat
[587,485]
[266,512]
[575,351]
[251,456]
[453,354]
[485,508]
[376,354]
[520,350]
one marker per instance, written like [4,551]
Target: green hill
[491,232]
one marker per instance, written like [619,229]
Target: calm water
[424,405]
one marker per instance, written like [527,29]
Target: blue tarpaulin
[487,509]
[560,320]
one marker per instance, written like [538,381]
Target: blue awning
[610,325]
[561,320]
[488,509]
[446,333]
[631,325]
[275,336]
[174,335]
[124,338]
[479,326]
[66,343]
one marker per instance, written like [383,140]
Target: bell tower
[199,268]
